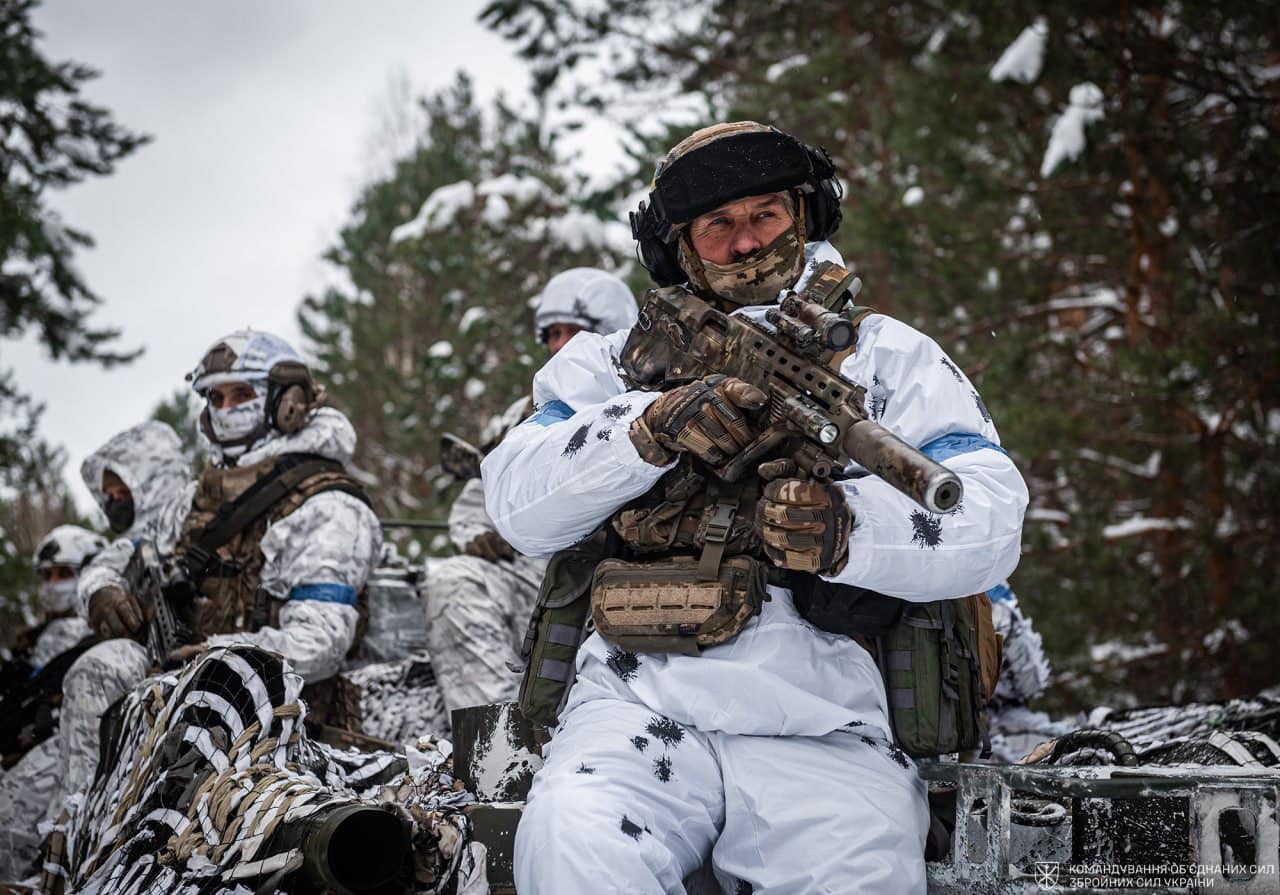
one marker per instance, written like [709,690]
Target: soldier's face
[560,333]
[114,487]
[736,231]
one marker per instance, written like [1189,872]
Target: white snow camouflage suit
[27,788]
[317,560]
[477,609]
[149,459]
[1015,728]
[770,754]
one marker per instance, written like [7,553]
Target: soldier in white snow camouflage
[287,581]
[131,477]
[478,603]
[768,756]
[27,787]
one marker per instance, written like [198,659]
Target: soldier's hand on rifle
[114,612]
[805,525]
[491,546]
[713,419]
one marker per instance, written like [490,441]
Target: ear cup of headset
[822,213]
[291,396]
[658,257]
[291,409]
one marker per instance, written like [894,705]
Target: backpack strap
[258,500]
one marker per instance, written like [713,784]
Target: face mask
[119,513]
[240,423]
[58,596]
[754,281]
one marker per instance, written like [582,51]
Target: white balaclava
[66,545]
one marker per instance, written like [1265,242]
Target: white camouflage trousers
[26,793]
[96,680]
[477,613]
[630,801]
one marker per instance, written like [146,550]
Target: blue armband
[328,592]
[957,443]
[551,413]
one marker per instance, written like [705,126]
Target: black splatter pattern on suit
[622,663]
[576,442]
[927,529]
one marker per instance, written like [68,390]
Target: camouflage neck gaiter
[754,281]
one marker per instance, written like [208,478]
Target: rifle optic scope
[831,330]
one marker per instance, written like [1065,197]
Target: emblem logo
[1047,875]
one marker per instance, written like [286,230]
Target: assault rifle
[817,417]
[167,598]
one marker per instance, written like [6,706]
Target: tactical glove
[113,612]
[805,525]
[490,546]
[710,419]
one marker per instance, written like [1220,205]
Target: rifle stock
[817,417]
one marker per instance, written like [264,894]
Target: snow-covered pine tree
[430,330]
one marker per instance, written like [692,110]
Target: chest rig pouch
[691,576]
[222,536]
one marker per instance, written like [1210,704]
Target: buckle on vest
[721,523]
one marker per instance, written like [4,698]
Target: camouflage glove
[113,612]
[490,546]
[709,418]
[805,525]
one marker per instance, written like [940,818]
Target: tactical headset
[724,170]
[291,393]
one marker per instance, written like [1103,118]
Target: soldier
[132,477]
[26,723]
[282,568]
[59,559]
[478,603]
[771,754]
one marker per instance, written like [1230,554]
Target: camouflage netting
[1241,732]
[401,699]
[207,773]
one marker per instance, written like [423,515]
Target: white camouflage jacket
[149,459]
[564,471]
[316,559]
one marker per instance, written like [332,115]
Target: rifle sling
[258,500]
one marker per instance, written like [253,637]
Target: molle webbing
[263,496]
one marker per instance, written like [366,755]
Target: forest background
[1077,200]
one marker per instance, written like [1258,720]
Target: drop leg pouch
[559,624]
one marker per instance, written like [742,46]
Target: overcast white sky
[262,115]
